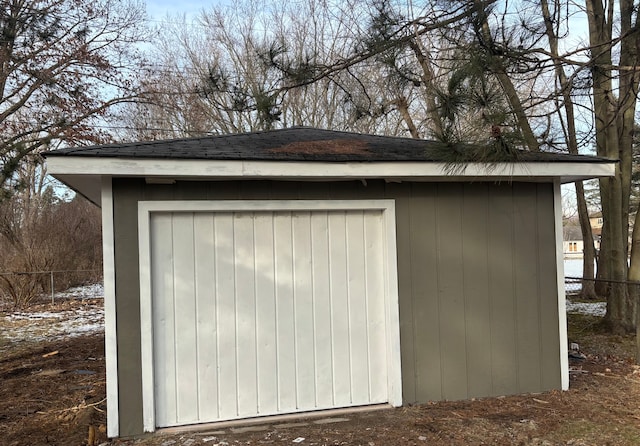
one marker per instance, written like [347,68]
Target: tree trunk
[634,274]
[627,97]
[609,126]
[620,306]
[403,108]
[498,69]
[428,80]
[589,253]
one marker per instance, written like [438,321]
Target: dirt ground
[52,392]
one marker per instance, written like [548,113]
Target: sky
[160,9]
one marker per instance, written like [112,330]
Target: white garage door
[267,312]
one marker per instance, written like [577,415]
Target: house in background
[595,220]
[572,242]
[596,229]
[301,270]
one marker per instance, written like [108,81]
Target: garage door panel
[184,307]
[341,355]
[303,310]
[266,314]
[206,316]
[161,229]
[323,351]
[285,329]
[376,314]
[357,311]
[259,313]
[244,263]
[226,315]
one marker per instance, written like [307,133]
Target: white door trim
[146,208]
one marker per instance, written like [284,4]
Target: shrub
[47,234]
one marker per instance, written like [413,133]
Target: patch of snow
[588,308]
[50,325]
[93,291]
[34,316]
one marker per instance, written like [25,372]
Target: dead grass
[589,332]
[43,400]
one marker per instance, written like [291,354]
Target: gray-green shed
[300,270]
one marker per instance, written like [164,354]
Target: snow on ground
[75,321]
[67,323]
[82,292]
[588,308]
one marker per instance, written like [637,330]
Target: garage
[263,308]
[296,270]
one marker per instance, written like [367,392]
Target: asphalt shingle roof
[295,144]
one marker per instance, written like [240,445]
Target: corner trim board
[110,329]
[562,304]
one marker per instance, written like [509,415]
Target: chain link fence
[573,286]
[21,288]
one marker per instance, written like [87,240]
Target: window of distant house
[573,246]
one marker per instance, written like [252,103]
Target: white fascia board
[409,170]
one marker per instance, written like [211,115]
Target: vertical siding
[502,292]
[527,304]
[477,310]
[451,278]
[125,220]
[476,278]
[478,307]
[423,282]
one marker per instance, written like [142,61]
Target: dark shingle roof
[294,144]
[573,233]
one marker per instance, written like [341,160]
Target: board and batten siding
[477,281]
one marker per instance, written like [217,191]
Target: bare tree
[554,22]
[215,77]
[247,69]
[64,65]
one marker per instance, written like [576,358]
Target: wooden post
[637,296]
[52,288]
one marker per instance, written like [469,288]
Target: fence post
[637,297]
[52,288]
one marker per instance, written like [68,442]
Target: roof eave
[83,174]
